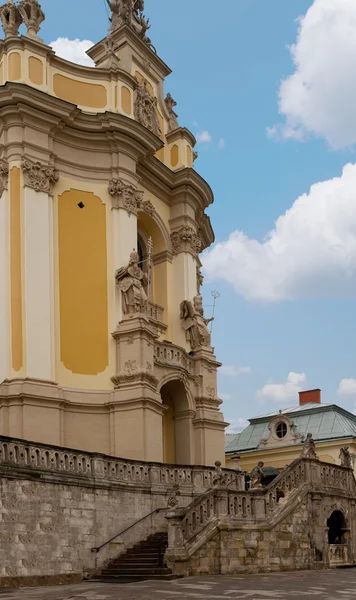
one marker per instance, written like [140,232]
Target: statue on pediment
[132,282]
[129,12]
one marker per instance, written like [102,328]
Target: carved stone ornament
[136,377]
[126,196]
[132,281]
[4,175]
[172,501]
[200,279]
[145,109]
[256,475]
[10,18]
[39,177]
[173,122]
[186,239]
[32,15]
[346,458]
[196,326]
[309,450]
[130,13]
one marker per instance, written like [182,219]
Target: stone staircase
[142,562]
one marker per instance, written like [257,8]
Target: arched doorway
[336,528]
[177,424]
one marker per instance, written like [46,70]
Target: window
[281,430]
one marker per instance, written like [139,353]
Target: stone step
[135,571]
[134,578]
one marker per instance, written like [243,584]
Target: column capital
[4,175]
[128,197]
[38,176]
[186,239]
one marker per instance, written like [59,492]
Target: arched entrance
[177,424]
[336,528]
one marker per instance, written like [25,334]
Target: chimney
[310,396]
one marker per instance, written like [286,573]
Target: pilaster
[38,268]
[4,273]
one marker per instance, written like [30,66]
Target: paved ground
[337,584]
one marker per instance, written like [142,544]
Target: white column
[4,287]
[38,232]
[125,241]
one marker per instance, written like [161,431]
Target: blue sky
[228,66]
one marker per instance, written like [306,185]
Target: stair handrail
[153,512]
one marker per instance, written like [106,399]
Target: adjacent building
[277,438]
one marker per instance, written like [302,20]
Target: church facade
[104,345]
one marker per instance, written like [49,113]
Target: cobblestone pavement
[337,584]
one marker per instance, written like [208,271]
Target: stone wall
[56,505]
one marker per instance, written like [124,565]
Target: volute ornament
[39,177]
[32,15]
[173,117]
[186,239]
[11,18]
[145,109]
[4,175]
[132,282]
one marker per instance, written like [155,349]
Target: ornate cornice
[186,239]
[4,175]
[126,196]
[38,176]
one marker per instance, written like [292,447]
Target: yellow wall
[79,92]
[169,437]
[126,100]
[15,266]
[84,335]
[35,68]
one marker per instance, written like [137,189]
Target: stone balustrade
[18,454]
[253,506]
[172,355]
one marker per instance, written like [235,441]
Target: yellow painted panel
[79,92]
[15,269]
[169,437]
[14,66]
[35,69]
[174,155]
[139,78]
[126,100]
[189,157]
[83,282]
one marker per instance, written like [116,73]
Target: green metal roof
[323,421]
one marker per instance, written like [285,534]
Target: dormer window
[281,430]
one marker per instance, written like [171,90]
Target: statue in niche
[132,282]
[309,450]
[194,323]
[256,475]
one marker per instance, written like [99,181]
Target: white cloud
[221,144]
[225,397]
[73,50]
[237,425]
[230,371]
[319,97]
[284,392]
[347,387]
[203,137]
[311,252]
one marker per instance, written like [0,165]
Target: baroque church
[104,345]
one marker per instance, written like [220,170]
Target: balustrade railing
[169,354]
[20,454]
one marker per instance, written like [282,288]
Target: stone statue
[132,282]
[256,475]
[172,501]
[200,279]
[345,457]
[129,12]
[219,477]
[194,323]
[32,15]
[145,109]
[309,450]
[11,18]
[170,104]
